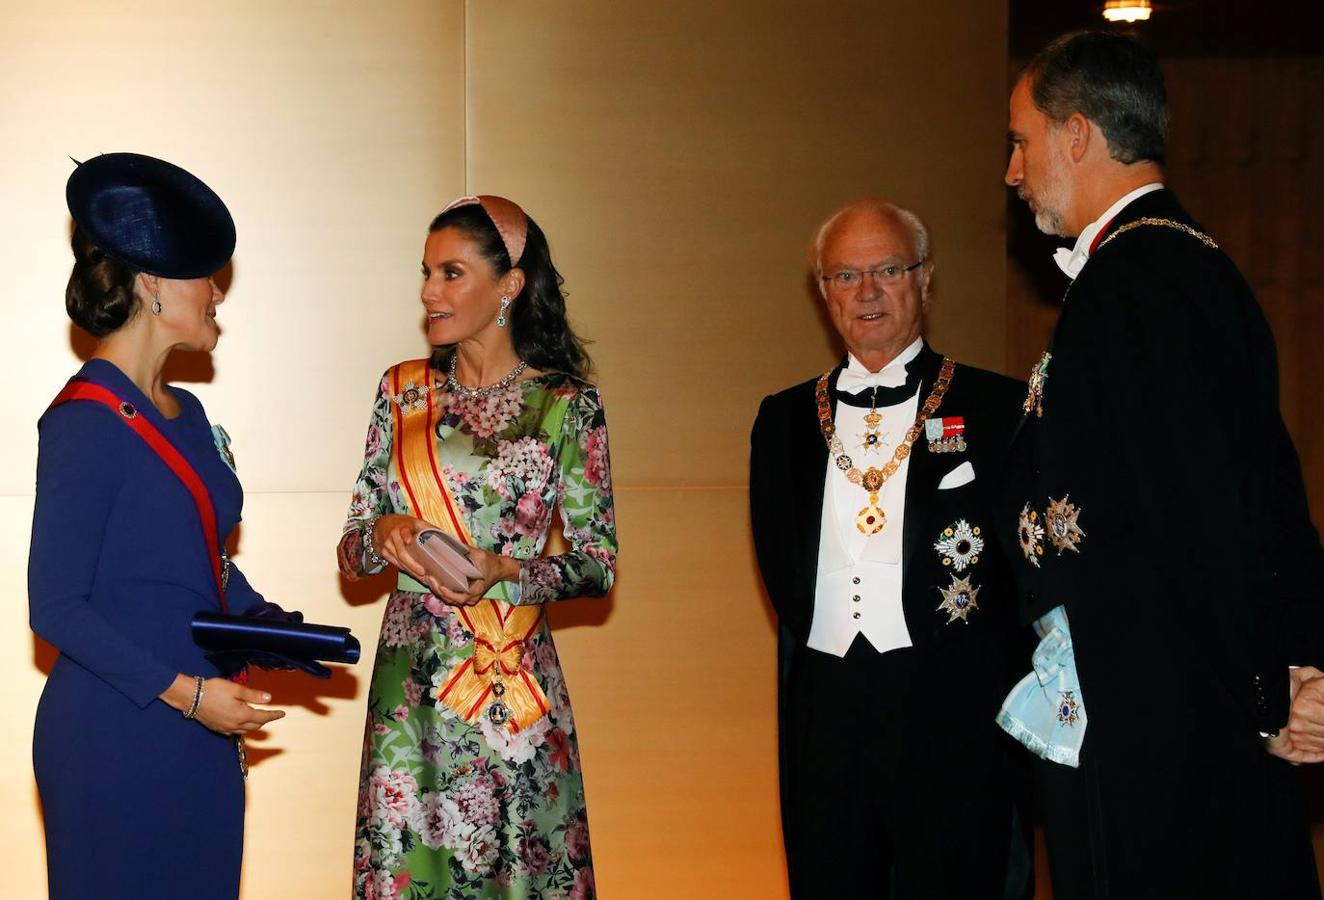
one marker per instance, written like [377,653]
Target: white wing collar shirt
[1073,260]
[858,589]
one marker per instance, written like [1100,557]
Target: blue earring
[501,316]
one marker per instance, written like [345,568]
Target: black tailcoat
[957,673]
[1161,428]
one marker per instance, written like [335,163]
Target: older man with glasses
[870,502]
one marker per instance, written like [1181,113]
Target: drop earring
[501,316]
[156,307]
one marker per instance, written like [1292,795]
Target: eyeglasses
[848,280]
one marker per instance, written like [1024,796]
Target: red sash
[80,389]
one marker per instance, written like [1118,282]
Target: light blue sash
[1045,710]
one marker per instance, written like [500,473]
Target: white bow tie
[853,380]
[1069,261]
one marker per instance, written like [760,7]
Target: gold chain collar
[1162,223]
[871,519]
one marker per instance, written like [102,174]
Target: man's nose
[1014,172]
[870,286]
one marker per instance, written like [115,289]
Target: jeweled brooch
[960,545]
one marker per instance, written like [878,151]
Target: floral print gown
[449,809]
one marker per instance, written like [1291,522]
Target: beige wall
[333,130]
[679,157]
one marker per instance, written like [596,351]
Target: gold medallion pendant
[871,519]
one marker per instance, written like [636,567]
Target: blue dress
[138,801]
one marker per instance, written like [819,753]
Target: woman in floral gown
[471,784]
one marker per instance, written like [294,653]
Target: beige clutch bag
[445,559]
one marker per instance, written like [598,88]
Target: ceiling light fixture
[1127,10]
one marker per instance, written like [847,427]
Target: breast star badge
[1063,527]
[873,440]
[414,398]
[959,599]
[960,545]
[1031,535]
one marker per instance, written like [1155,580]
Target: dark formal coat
[1174,532]
[137,801]
[962,669]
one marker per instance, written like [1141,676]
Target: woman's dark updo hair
[100,295]
[538,326]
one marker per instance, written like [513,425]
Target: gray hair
[1110,79]
[919,233]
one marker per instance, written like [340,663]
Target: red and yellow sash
[495,682]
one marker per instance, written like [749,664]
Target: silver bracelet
[368,549]
[197,697]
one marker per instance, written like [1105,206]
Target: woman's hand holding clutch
[395,538]
[492,569]
[224,705]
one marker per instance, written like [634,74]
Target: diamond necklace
[453,385]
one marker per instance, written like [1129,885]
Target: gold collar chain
[1162,223]
[871,519]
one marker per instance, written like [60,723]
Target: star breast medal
[959,599]
[412,398]
[872,439]
[1030,533]
[960,545]
[1063,525]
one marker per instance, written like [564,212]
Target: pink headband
[509,219]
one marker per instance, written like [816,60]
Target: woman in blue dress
[136,740]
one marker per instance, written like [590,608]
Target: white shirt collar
[1073,260]
[855,377]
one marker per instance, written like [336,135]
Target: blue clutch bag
[231,642]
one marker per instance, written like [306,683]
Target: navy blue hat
[151,215]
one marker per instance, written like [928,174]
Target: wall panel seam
[464,91]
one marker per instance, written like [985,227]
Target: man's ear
[1082,131]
